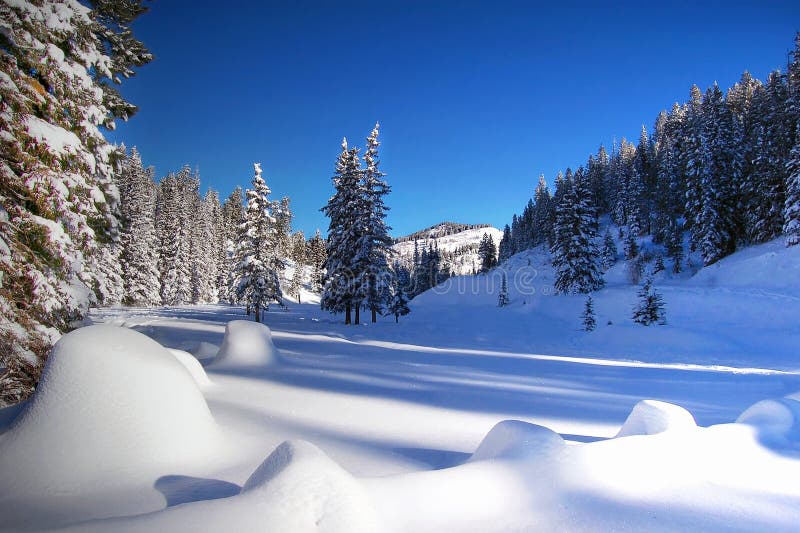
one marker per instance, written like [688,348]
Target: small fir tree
[589,321]
[502,298]
[650,308]
[608,255]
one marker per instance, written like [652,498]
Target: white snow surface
[462,417]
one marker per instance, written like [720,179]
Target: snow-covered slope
[461,247]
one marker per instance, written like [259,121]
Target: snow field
[464,417]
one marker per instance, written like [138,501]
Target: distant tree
[399,301]
[650,308]
[588,318]
[299,259]
[609,252]
[502,298]
[630,246]
[317,256]
[232,219]
[506,245]
[487,253]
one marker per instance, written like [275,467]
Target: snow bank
[192,365]
[246,343]
[779,418]
[650,417]
[111,403]
[513,439]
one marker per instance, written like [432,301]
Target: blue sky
[475,99]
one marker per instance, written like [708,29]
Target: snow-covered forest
[175,360]
[724,167]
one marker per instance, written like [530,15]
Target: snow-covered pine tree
[339,292]
[176,208]
[258,263]
[399,303]
[650,308]
[59,64]
[674,245]
[487,252]
[630,246]
[506,245]
[317,257]
[574,253]
[299,259]
[502,297]
[232,219]
[608,255]
[544,215]
[203,249]
[139,255]
[692,157]
[374,244]
[588,318]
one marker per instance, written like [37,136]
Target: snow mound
[246,343]
[650,417]
[111,403]
[513,439]
[192,365]
[311,491]
[774,418]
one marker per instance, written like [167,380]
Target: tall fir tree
[317,257]
[339,291]
[374,243]
[232,219]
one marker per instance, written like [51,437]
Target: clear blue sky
[475,99]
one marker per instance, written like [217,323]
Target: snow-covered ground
[463,417]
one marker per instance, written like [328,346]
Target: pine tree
[176,208]
[57,196]
[487,253]
[502,297]
[650,309]
[399,302]
[375,244]
[674,246]
[139,256]
[608,256]
[630,246]
[317,256]
[588,318]
[339,292]
[506,245]
[299,258]
[232,219]
[258,263]
[574,253]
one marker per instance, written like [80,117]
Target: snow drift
[192,365]
[650,417]
[245,344]
[513,439]
[115,403]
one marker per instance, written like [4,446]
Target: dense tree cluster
[724,167]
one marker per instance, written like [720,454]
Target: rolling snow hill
[458,244]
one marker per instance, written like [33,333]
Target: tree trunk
[358,314]
[374,315]
[347,315]
[248,310]
[298,297]
[397,318]
[258,313]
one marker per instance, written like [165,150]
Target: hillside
[458,244]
